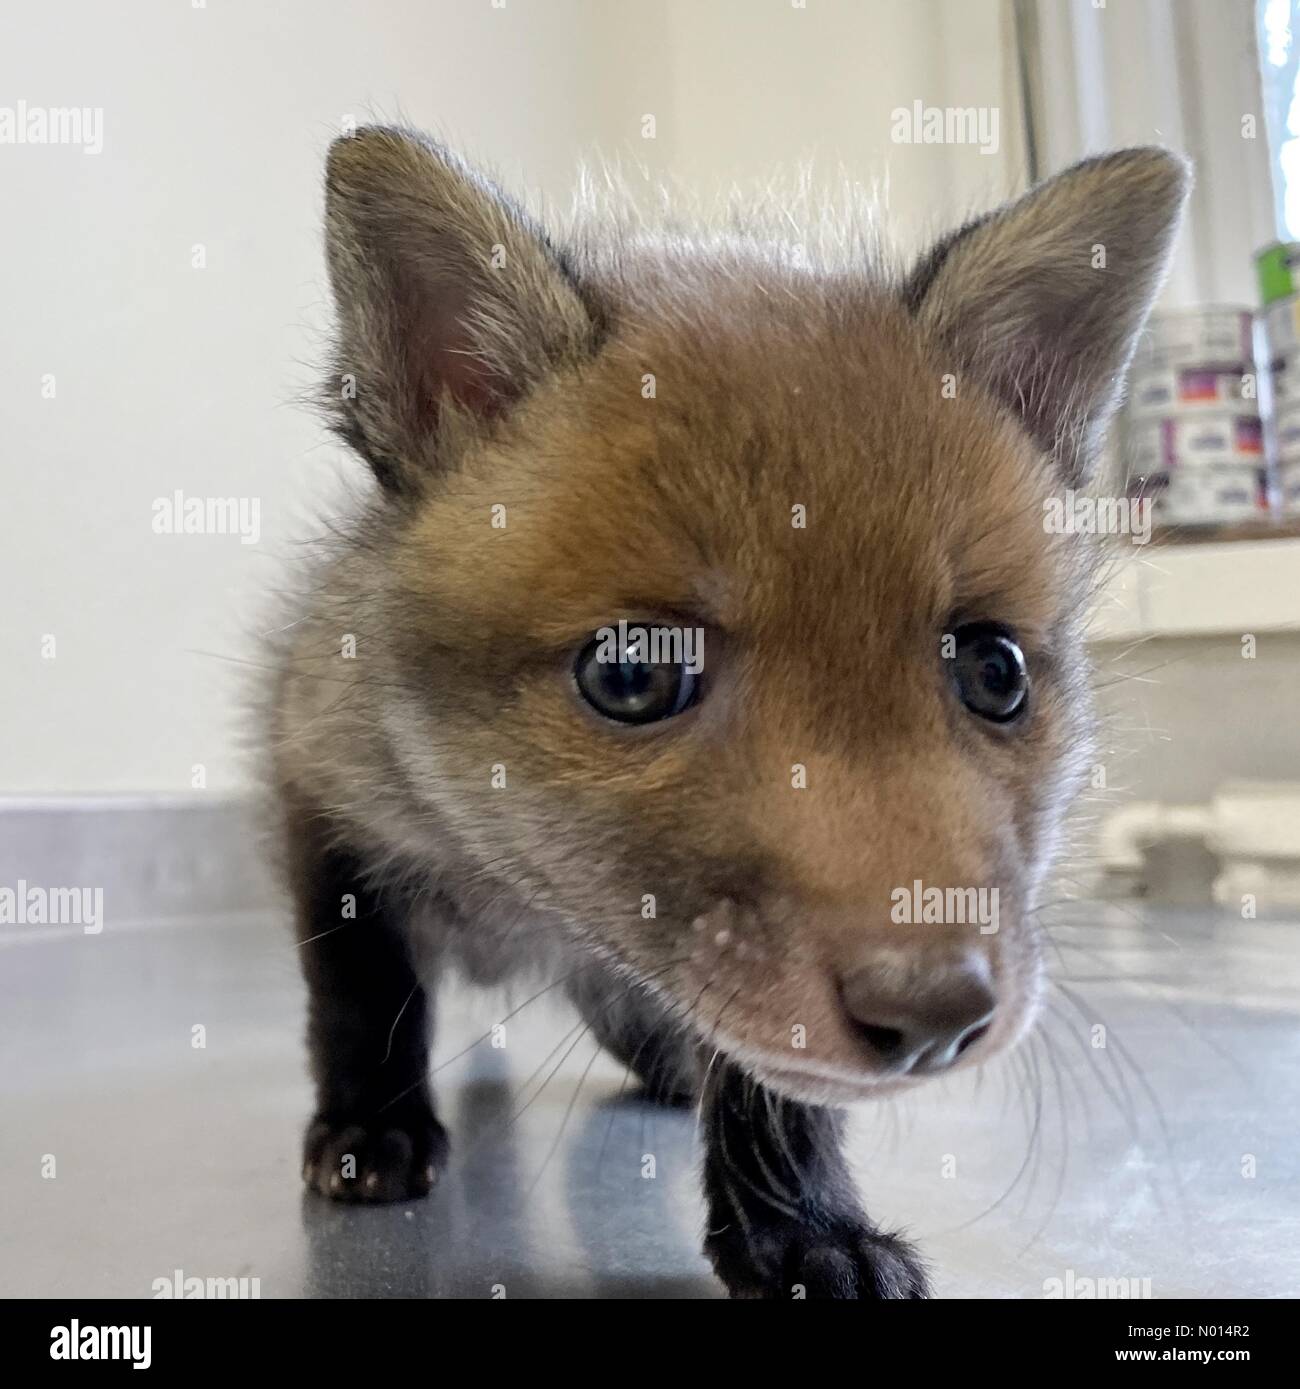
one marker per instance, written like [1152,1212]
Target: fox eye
[622,683]
[989,671]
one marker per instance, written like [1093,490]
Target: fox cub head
[709,607]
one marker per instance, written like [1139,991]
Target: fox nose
[919,1020]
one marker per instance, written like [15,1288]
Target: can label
[1193,388]
[1287,429]
[1276,268]
[1212,337]
[1282,327]
[1289,488]
[1179,441]
[1214,495]
[1285,378]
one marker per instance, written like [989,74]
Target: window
[1279,60]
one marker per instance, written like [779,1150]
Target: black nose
[919,1019]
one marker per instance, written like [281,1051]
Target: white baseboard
[155,858]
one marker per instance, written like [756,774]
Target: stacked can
[1279,332]
[1195,439]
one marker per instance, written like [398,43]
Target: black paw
[843,1260]
[391,1158]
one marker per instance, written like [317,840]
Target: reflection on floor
[1167,1154]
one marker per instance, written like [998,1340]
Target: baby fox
[703,622]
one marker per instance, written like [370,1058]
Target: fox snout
[916,1017]
[827,1002]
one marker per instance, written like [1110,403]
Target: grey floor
[1128,1160]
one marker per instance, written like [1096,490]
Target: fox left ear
[1043,299]
[450,300]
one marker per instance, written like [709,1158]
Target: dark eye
[638,680]
[989,669]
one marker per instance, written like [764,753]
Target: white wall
[755,87]
[1183,715]
[215,123]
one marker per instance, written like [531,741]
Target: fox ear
[1044,298]
[449,300]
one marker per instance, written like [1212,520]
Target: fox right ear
[1044,298]
[450,301]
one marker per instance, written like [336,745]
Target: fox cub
[703,622]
